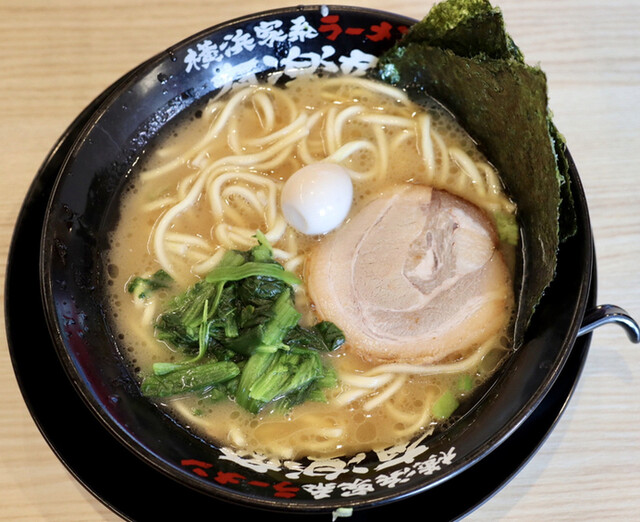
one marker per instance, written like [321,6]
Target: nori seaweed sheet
[468,28]
[462,56]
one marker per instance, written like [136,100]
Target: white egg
[317,198]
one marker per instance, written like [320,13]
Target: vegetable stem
[190,379]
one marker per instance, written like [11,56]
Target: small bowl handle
[605,314]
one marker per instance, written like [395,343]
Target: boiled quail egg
[317,198]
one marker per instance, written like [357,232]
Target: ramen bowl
[84,208]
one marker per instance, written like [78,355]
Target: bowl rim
[158,461]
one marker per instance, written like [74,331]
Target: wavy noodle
[226,184]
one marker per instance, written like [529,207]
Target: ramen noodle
[218,178]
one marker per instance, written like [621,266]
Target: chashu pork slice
[415,276]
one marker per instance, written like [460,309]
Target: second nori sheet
[461,55]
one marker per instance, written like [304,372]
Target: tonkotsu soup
[386,320]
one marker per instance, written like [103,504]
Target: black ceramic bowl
[84,207]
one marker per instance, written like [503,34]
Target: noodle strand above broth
[206,191]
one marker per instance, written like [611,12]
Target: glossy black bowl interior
[84,207]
